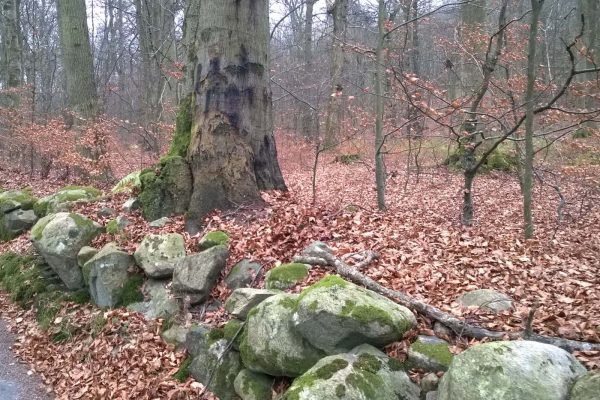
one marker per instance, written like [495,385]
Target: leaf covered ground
[423,247]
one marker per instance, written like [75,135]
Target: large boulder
[242,274]
[107,274]
[286,276]
[487,299]
[335,315]
[510,371]
[250,385]
[58,238]
[271,345]
[15,214]
[157,255]
[159,304]
[63,200]
[587,387]
[241,301]
[217,369]
[364,373]
[196,274]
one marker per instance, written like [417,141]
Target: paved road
[15,384]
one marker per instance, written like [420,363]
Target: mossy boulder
[362,374]
[335,315]
[587,387]
[286,276]
[487,299]
[107,275]
[430,353]
[15,213]
[167,190]
[58,238]
[197,273]
[509,371]
[217,368]
[242,300]
[271,345]
[250,385]
[157,255]
[64,198]
[214,238]
[242,274]
[232,332]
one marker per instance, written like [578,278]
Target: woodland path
[15,383]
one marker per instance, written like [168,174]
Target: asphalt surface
[15,383]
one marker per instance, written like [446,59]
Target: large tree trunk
[10,48]
[232,152]
[339,11]
[77,58]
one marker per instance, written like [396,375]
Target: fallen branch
[457,325]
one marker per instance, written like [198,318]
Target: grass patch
[183,373]
[131,291]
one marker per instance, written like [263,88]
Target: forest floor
[424,249]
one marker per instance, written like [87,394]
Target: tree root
[457,325]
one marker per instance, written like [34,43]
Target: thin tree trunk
[536,6]
[10,48]
[232,152]
[333,119]
[308,126]
[379,162]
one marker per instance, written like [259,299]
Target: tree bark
[77,59]
[10,48]
[339,12]
[536,6]
[380,76]
[308,127]
[232,153]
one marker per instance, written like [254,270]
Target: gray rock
[106,212]
[58,238]
[160,303]
[335,315]
[198,273]
[250,385]
[157,255]
[242,274]
[63,200]
[355,375]
[486,299]
[175,335]
[241,301]
[196,340]
[122,222]
[222,365]
[159,223]
[442,331]
[587,387]
[271,345]
[107,273]
[214,238]
[19,221]
[85,255]
[430,354]
[429,383]
[131,205]
[318,245]
[510,371]
[431,396]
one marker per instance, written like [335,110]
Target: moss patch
[21,278]
[131,291]
[307,380]
[38,228]
[439,352]
[326,282]
[183,373]
[286,276]
[183,128]
[212,239]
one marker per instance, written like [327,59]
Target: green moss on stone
[38,228]
[326,282]
[212,239]
[286,276]
[215,335]
[183,128]
[368,362]
[440,352]
[307,380]
[367,314]
[231,329]
[183,372]
[112,227]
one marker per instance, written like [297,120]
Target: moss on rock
[286,276]
[212,239]
[183,128]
